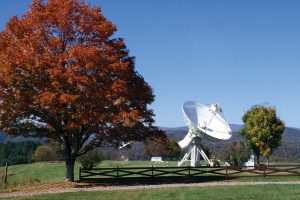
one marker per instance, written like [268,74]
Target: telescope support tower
[195,152]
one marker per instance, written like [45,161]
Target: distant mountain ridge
[289,132]
[178,133]
[5,138]
[289,149]
[234,127]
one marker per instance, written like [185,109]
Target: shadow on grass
[149,180]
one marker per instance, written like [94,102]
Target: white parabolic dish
[205,119]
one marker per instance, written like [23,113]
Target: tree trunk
[70,164]
[257,159]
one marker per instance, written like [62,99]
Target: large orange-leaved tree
[64,76]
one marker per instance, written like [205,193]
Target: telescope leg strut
[194,154]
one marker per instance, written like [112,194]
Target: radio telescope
[203,121]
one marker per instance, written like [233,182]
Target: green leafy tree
[262,130]
[163,147]
[236,154]
[174,150]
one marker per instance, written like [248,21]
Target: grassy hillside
[54,172]
[39,172]
[50,172]
[20,176]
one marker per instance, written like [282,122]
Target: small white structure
[250,162]
[157,160]
[124,158]
[203,121]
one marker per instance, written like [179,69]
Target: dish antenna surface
[203,121]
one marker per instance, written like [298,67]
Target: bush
[90,159]
[44,153]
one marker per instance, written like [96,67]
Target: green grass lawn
[35,173]
[214,193]
[43,171]
[54,172]
[49,172]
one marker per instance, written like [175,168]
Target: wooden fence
[184,173]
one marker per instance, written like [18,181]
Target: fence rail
[151,173]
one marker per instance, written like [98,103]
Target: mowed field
[31,177]
[266,192]
[54,172]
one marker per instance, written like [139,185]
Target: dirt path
[56,190]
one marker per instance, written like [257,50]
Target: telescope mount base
[194,153]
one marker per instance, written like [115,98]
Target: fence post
[189,173]
[79,174]
[152,174]
[265,171]
[5,178]
[117,172]
[226,171]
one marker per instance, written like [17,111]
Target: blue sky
[235,52]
